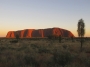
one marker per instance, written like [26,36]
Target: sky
[39,14]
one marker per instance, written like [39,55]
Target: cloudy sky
[37,14]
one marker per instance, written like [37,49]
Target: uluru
[30,33]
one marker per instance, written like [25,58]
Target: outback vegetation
[45,52]
[81,31]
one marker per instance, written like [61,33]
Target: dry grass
[43,52]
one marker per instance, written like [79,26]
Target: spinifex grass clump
[62,58]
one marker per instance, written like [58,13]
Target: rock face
[29,33]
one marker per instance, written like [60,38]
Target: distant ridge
[30,33]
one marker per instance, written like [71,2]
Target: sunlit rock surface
[30,33]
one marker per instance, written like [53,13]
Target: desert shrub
[82,57]
[87,62]
[29,60]
[62,58]
[14,41]
[87,49]
[44,60]
[2,48]
[43,50]
[64,46]
[72,38]
[34,46]
[21,48]
[52,37]
[74,48]
[49,37]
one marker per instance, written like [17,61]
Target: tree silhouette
[81,31]
[60,38]
[17,36]
[72,38]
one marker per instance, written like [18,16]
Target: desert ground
[44,52]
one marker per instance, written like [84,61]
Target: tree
[72,38]
[60,38]
[81,31]
[17,36]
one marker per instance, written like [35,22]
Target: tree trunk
[81,43]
